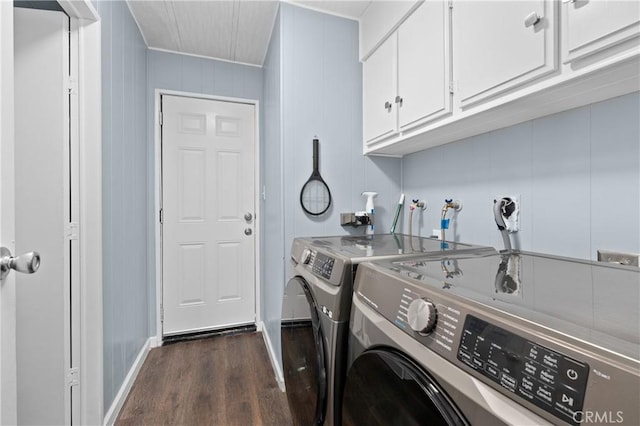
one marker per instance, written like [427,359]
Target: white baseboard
[112,415]
[272,357]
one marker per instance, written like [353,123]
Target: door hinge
[160,118]
[73,377]
[450,4]
[72,86]
[451,87]
[161,216]
[161,313]
[71,231]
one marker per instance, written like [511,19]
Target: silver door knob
[27,263]
[248,216]
[248,231]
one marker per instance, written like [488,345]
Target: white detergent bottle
[369,208]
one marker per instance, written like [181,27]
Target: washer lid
[362,248]
[593,301]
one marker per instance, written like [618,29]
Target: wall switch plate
[627,259]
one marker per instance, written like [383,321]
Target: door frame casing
[158,198]
[87,28]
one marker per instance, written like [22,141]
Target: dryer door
[385,387]
[303,356]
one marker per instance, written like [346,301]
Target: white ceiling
[232,30]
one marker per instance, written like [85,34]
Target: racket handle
[315,153]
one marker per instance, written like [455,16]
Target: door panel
[42,200]
[386,387]
[303,358]
[207,187]
[494,51]
[380,87]
[589,27]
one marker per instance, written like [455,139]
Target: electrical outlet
[628,259]
[511,212]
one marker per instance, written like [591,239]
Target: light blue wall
[273,246]
[577,173]
[124,166]
[184,73]
[318,93]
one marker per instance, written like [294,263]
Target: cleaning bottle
[369,208]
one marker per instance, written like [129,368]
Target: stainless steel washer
[512,338]
[316,310]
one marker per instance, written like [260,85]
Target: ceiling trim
[195,55]
[133,15]
[316,9]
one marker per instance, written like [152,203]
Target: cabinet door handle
[388,105]
[399,100]
[531,19]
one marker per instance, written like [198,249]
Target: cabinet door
[423,65]
[380,90]
[495,51]
[591,26]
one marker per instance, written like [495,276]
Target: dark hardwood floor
[223,380]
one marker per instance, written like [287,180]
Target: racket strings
[316,197]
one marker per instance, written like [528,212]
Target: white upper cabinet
[381,18]
[406,79]
[423,65]
[379,92]
[499,45]
[453,69]
[591,26]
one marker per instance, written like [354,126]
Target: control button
[530,368]
[510,383]
[544,394]
[533,351]
[492,371]
[422,316]
[548,377]
[527,384]
[551,360]
[463,356]
[478,363]
[567,401]
[572,373]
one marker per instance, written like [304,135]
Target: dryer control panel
[550,380]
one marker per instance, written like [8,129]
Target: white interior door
[208,179]
[42,203]
[8,404]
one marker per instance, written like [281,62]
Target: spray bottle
[369,208]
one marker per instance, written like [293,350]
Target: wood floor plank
[223,380]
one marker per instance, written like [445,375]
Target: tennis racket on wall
[315,197]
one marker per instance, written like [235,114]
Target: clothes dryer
[316,310]
[511,338]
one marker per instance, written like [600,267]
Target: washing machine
[508,338]
[316,309]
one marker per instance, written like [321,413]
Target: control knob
[422,316]
[305,258]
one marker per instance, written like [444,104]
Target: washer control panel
[322,265]
[550,380]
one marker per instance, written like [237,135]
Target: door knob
[27,263]
[248,216]
[248,231]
